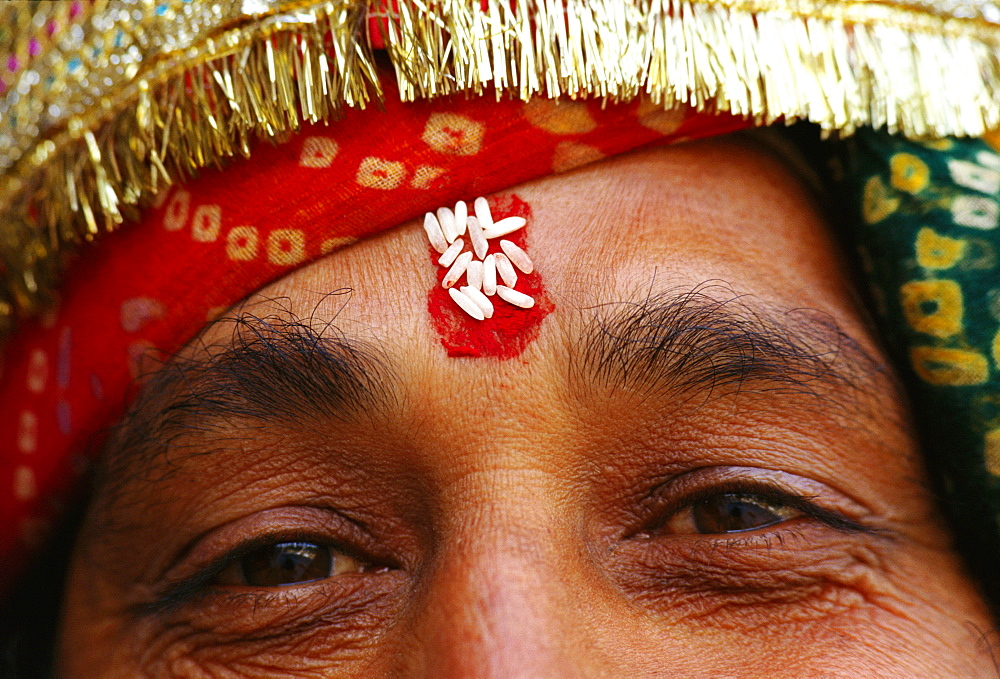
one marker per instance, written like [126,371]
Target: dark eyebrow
[711,340]
[274,369]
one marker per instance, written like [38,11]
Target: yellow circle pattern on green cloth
[926,223]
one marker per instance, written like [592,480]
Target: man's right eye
[730,513]
[288,563]
[728,499]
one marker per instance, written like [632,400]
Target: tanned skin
[702,467]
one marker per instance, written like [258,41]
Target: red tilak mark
[511,329]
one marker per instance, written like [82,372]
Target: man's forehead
[679,215]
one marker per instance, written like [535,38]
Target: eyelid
[193,572]
[813,499]
[683,521]
[340,561]
[185,589]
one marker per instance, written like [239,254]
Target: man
[701,466]
[621,421]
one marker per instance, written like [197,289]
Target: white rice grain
[457,269]
[490,275]
[514,297]
[474,274]
[518,256]
[483,213]
[505,226]
[434,233]
[481,300]
[447,220]
[451,253]
[466,304]
[506,271]
[479,244]
[461,215]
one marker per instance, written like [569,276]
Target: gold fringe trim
[840,64]
[179,114]
[262,67]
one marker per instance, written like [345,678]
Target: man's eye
[729,513]
[288,563]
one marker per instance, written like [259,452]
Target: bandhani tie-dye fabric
[926,222]
[147,289]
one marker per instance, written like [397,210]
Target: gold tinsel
[105,103]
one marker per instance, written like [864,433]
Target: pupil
[730,513]
[286,563]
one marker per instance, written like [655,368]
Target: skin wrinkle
[278,369]
[988,641]
[675,341]
[506,493]
[768,436]
[186,638]
[271,371]
[348,512]
[822,594]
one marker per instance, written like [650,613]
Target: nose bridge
[501,600]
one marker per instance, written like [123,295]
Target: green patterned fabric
[925,220]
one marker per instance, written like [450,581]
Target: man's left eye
[729,513]
[288,563]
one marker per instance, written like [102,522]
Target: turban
[108,106]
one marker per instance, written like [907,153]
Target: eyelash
[757,540]
[765,491]
[199,584]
